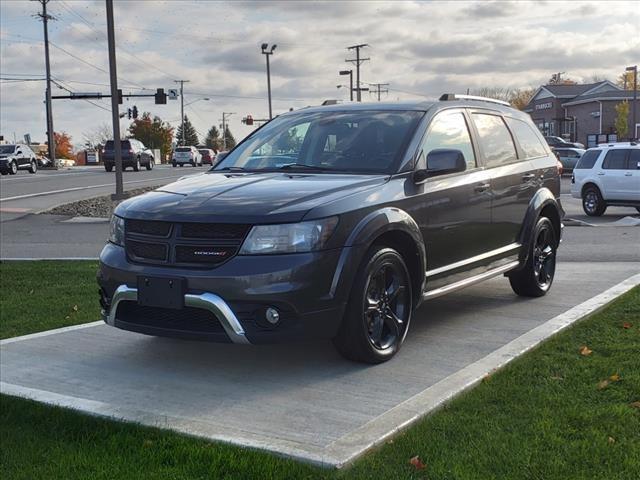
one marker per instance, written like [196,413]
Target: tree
[98,136]
[498,93]
[229,138]
[153,132]
[520,97]
[517,97]
[625,80]
[64,149]
[190,134]
[213,139]
[556,79]
[622,119]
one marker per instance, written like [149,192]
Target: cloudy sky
[421,49]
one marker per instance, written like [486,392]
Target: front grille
[187,319]
[203,254]
[150,251]
[183,244]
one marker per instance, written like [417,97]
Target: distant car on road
[559,142]
[220,156]
[568,157]
[189,155]
[17,157]
[134,155]
[208,156]
[608,175]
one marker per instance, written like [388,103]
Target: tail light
[559,167]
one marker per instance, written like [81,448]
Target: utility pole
[357,62]
[115,113]
[634,69]
[224,127]
[267,53]
[182,82]
[379,88]
[51,141]
[350,73]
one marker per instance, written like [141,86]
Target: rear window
[183,149]
[204,152]
[615,160]
[495,140]
[634,159]
[124,145]
[588,160]
[530,143]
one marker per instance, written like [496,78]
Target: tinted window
[183,149]
[634,159]
[449,130]
[528,140]
[4,149]
[362,141]
[495,140]
[588,159]
[124,145]
[615,160]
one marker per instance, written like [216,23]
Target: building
[582,113]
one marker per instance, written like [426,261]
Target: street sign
[27,138]
[173,94]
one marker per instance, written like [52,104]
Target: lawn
[559,412]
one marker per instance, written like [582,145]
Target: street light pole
[182,82]
[224,127]
[267,53]
[115,114]
[634,69]
[51,140]
[350,73]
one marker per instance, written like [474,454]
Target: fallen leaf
[67,317]
[584,350]
[615,377]
[557,377]
[31,292]
[75,308]
[635,404]
[612,440]
[602,384]
[626,325]
[147,443]
[417,463]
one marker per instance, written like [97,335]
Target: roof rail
[457,96]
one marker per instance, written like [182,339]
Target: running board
[469,281]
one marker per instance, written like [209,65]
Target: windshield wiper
[293,166]
[231,169]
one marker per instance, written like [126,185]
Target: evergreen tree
[153,132]
[190,135]
[229,139]
[213,139]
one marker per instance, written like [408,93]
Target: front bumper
[310,290]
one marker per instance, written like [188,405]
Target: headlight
[289,237]
[116,230]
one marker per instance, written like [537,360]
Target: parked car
[568,157]
[189,155]
[608,175]
[134,155]
[559,142]
[208,156]
[17,157]
[337,222]
[220,156]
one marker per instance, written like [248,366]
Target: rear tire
[379,310]
[181,165]
[149,166]
[33,168]
[108,168]
[592,202]
[174,164]
[136,166]
[535,279]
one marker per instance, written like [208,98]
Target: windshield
[183,149]
[124,145]
[4,149]
[351,142]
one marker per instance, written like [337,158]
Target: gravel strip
[94,207]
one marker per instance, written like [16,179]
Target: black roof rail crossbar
[456,96]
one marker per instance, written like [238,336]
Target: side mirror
[443,160]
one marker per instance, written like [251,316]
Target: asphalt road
[26,193]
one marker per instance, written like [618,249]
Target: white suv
[608,175]
[190,155]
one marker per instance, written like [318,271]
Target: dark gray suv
[337,222]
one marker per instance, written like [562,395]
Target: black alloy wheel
[592,202]
[379,311]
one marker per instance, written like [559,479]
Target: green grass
[37,296]
[542,417]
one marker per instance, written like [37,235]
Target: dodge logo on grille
[213,253]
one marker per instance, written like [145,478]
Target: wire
[59,84]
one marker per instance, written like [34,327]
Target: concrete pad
[302,400]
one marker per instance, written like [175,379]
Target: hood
[270,197]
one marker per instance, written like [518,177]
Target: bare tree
[98,135]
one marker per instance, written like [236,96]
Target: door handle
[528,176]
[482,187]
[600,173]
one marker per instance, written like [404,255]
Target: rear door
[631,180]
[614,175]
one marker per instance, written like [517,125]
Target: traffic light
[129,113]
[160,96]
[119,96]
[134,112]
[248,120]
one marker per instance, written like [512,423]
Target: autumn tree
[622,119]
[625,80]
[153,132]
[64,148]
[213,139]
[520,97]
[517,97]
[190,134]
[229,139]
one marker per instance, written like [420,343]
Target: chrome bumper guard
[206,301]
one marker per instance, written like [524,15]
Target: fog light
[272,315]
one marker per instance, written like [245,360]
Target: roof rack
[456,96]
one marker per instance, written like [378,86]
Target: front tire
[108,168]
[13,168]
[149,166]
[33,168]
[592,202]
[379,310]
[535,279]
[136,166]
